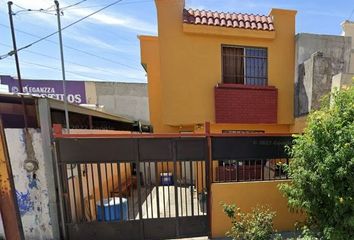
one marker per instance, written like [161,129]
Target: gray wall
[124,99]
[325,56]
[342,80]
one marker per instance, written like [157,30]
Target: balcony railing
[251,170]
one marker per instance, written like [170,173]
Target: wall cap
[244,87]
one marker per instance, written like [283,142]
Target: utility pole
[62,68]
[9,4]
[30,164]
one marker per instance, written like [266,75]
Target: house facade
[119,98]
[233,70]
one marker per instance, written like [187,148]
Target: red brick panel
[236,103]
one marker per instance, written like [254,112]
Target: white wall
[31,191]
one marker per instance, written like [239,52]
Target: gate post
[137,161]
[50,167]
[174,157]
[209,176]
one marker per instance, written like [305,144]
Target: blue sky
[105,47]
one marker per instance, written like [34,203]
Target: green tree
[322,169]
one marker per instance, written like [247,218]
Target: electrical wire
[47,10]
[55,58]
[351,14]
[71,48]
[56,69]
[68,71]
[123,3]
[24,10]
[71,24]
[72,5]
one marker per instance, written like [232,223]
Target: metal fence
[247,170]
[257,158]
[158,186]
[149,187]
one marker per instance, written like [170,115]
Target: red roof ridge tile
[228,19]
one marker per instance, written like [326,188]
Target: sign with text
[75,90]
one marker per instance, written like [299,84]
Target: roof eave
[227,31]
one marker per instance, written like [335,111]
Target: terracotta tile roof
[232,20]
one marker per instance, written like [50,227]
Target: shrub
[257,225]
[322,169]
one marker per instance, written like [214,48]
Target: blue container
[166,179]
[112,209]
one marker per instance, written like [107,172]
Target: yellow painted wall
[190,64]
[247,195]
[268,128]
[149,51]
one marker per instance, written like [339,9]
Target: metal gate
[133,188]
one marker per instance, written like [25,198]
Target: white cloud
[119,20]
[93,41]
[70,15]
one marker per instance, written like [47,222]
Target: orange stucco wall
[184,65]
[268,128]
[246,196]
[150,59]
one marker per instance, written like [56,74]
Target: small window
[244,65]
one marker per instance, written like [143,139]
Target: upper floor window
[243,65]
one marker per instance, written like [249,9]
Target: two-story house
[233,70]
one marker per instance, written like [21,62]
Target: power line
[69,71]
[351,14]
[47,10]
[70,47]
[73,5]
[123,3]
[55,58]
[71,24]
[56,69]
[23,10]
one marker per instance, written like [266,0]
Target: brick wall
[236,103]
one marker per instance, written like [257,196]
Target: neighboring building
[48,88]
[119,98]
[346,79]
[233,70]
[348,30]
[37,198]
[318,59]
[323,62]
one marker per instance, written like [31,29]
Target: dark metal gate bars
[133,188]
[155,186]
